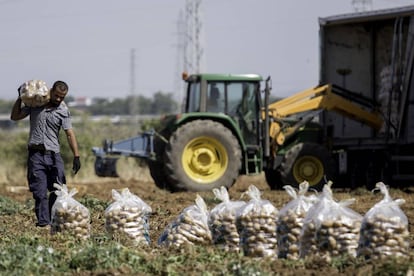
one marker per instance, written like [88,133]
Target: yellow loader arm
[313,99]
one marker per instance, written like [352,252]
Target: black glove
[76,164]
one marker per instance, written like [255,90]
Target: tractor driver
[213,98]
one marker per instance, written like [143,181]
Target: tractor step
[253,161]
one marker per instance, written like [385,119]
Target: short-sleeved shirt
[45,124]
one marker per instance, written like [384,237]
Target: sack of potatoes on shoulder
[34,93]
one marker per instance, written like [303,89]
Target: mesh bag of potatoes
[384,229]
[290,220]
[126,218]
[34,93]
[222,221]
[190,227]
[330,228]
[256,223]
[68,215]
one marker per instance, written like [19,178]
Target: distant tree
[6,106]
[144,105]
[118,107]
[102,106]
[163,103]
[100,101]
[160,103]
[69,99]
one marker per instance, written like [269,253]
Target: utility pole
[190,50]
[178,83]
[193,49]
[133,104]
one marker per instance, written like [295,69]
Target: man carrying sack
[44,164]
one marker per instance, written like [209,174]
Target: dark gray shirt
[45,124]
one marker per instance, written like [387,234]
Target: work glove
[76,164]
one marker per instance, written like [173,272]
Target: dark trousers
[43,170]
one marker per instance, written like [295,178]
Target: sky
[89,43]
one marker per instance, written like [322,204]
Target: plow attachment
[141,146]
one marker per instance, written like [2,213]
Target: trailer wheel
[307,161]
[202,155]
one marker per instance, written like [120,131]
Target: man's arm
[70,134]
[17,113]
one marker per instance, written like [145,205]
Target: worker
[44,163]
[213,98]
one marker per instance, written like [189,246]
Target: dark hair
[60,86]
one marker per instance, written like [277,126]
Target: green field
[27,250]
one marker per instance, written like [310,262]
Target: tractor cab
[236,96]
[235,102]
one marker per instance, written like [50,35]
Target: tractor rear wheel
[307,161]
[157,167]
[202,155]
[157,172]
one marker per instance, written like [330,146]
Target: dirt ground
[166,206]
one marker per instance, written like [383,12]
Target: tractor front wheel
[202,155]
[307,161]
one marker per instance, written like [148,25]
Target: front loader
[229,128]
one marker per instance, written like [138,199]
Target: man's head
[58,92]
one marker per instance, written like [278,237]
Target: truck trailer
[371,53]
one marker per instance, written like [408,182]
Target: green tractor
[229,128]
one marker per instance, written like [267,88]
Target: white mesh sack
[34,93]
[384,230]
[223,223]
[189,228]
[257,224]
[68,215]
[330,228]
[290,220]
[126,218]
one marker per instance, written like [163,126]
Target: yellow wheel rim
[204,159]
[308,168]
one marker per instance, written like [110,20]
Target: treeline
[160,103]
